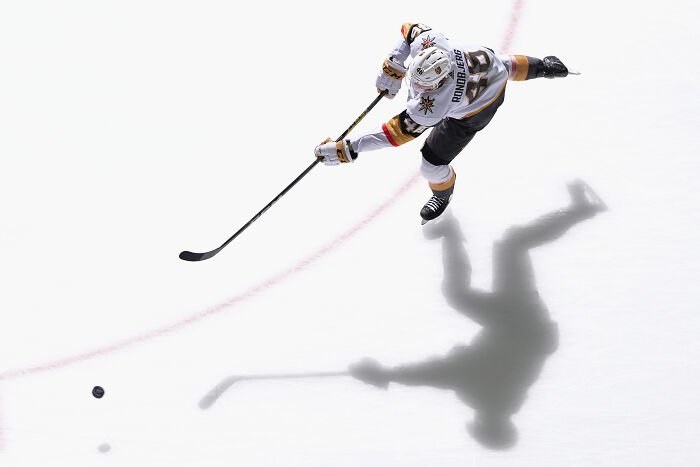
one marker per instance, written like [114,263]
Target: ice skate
[435,206]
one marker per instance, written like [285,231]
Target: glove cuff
[353,153]
[393,70]
[344,152]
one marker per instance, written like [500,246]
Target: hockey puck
[98,392]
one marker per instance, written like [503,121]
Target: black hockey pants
[447,139]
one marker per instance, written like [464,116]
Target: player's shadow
[494,372]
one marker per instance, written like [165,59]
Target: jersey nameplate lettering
[461,77]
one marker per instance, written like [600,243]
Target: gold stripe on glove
[391,71]
[340,151]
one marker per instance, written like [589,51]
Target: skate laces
[435,202]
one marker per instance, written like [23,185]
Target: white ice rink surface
[130,131]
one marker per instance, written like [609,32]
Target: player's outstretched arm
[399,130]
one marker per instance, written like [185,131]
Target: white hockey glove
[334,153]
[390,77]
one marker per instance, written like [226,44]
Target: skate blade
[424,221]
[574,72]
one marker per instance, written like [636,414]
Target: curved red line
[303,264]
[159,332]
[512,25]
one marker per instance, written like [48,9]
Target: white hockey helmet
[429,69]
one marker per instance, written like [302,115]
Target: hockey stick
[190,256]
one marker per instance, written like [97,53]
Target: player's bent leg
[441,179]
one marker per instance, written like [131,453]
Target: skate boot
[436,205]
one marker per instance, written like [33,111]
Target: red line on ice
[512,26]
[159,332]
[303,264]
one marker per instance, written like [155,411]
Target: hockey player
[456,90]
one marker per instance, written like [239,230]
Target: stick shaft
[190,256]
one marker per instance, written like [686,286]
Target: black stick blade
[190,256]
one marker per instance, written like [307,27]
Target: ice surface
[131,131]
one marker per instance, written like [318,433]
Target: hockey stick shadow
[217,391]
[493,374]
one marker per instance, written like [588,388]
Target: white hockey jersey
[477,78]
